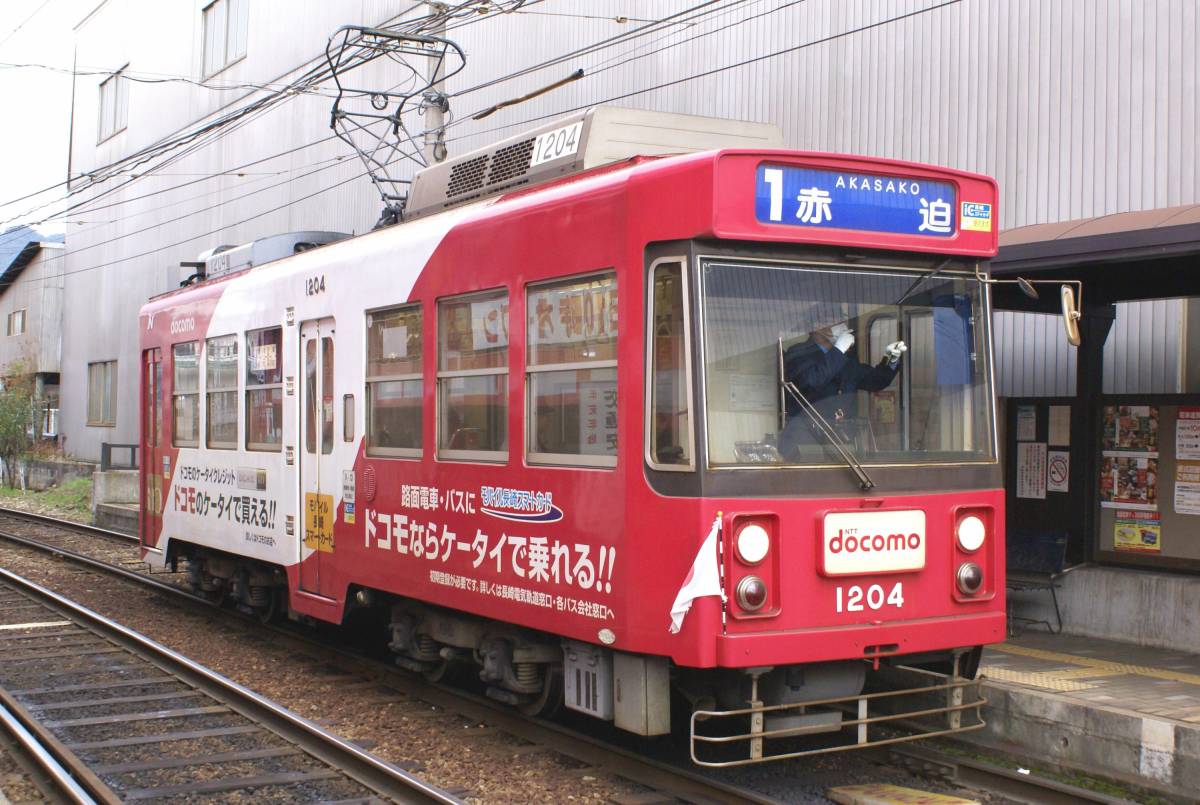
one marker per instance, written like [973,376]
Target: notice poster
[1058,470]
[1128,482]
[1187,487]
[1131,429]
[262,358]
[1026,423]
[1031,470]
[1187,434]
[1060,426]
[489,324]
[1138,531]
[598,418]
[753,393]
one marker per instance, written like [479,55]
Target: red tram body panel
[453,416]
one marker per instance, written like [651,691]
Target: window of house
[394,383]
[225,24]
[264,389]
[16,322]
[114,104]
[102,400]
[185,401]
[473,377]
[669,384]
[571,331]
[220,390]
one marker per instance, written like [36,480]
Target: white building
[31,289]
[1075,112]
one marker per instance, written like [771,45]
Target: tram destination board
[867,202]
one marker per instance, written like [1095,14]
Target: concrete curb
[1160,754]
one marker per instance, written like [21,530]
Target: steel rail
[384,778]
[62,781]
[683,783]
[58,522]
[662,776]
[981,775]
[106,567]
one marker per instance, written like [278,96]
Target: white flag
[703,579]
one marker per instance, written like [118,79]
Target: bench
[1035,562]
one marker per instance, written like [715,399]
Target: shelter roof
[1125,236]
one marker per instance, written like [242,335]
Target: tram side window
[473,377]
[264,389]
[571,332]
[395,386]
[220,389]
[670,429]
[185,402]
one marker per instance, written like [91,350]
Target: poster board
[1148,497]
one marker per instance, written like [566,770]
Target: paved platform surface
[1152,681]
[1123,711]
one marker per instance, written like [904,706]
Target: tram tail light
[752,564]
[969,578]
[751,593]
[974,550]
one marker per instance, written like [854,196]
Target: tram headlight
[752,543]
[971,533]
[969,578]
[751,593]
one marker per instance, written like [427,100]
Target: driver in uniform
[828,375]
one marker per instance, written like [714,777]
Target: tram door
[152,472]
[319,477]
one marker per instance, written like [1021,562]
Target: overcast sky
[36,102]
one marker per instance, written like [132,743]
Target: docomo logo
[863,542]
[874,542]
[182,325]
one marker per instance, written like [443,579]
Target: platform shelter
[1118,475]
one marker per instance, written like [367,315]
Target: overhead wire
[24,22]
[724,68]
[746,62]
[463,9]
[210,232]
[285,93]
[587,49]
[419,23]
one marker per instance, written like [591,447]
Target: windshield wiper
[930,274]
[832,435]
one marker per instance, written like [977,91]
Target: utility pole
[435,101]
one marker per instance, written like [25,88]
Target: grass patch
[71,500]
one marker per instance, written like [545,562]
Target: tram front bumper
[859,641]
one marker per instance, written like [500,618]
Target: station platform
[1128,712]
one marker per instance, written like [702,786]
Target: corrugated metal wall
[1144,352]
[1077,108]
[1032,357]
[1143,355]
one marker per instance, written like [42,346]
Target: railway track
[662,778]
[131,720]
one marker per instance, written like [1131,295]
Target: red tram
[632,509]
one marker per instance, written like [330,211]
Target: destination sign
[862,201]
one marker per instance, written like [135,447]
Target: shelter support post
[1094,326]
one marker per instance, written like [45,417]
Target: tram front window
[892,360]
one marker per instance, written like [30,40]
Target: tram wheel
[548,701]
[268,611]
[436,672]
